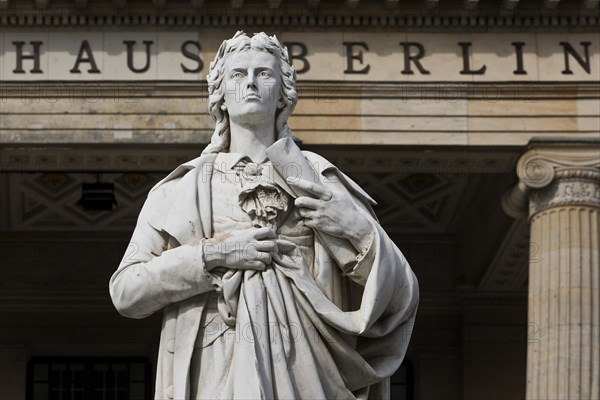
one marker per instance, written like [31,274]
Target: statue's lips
[252,97]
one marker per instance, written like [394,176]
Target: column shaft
[564,304]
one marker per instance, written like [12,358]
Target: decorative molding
[101,159]
[391,22]
[416,203]
[509,266]
[570,188]
[162,158]
[514,201]
[48,201]
[416,191]
[555,173]
[319,90]
[538,167]
[407,9]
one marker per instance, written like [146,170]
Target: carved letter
[414,58]
[300,55]
[132,68]
[89,58]
[466,65]
[519,54]
[192,55]
[35,57]
[350,56]
[568,49]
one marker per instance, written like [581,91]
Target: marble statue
[274,276]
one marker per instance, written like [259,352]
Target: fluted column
[561,184]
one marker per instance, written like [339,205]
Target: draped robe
[352,348]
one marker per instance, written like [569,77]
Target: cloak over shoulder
[367,342]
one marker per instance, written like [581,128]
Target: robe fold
[310,329]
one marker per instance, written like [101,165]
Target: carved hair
[216,91]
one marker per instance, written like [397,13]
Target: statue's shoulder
[167,183]
[174,193]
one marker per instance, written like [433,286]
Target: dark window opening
[75,378]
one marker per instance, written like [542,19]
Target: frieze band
[392,57]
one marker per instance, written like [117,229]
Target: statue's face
[252,86]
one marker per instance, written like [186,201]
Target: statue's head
[285,94]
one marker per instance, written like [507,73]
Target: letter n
[569,50]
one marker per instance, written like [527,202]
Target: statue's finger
[266,245]
[264,258]
[307,202]
[264,233]
[309,215]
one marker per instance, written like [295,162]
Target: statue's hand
[331,212]
[249,250]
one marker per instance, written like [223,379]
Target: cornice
[323,90]
[580,23]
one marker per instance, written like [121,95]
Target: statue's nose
[251,81]
[251,84]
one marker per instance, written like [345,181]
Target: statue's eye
[264,74]
[237,75]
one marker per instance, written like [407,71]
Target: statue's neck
[252,141]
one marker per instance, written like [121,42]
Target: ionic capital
[555,174]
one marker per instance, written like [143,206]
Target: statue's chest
[242,201]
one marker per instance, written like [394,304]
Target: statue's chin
[253,114]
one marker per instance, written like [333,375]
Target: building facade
[474,124]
